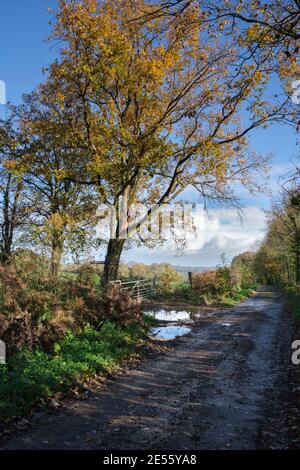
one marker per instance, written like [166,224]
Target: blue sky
[25,51]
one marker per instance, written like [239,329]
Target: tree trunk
[56,255]
[5,256]
[6,225]
[6,245]
[112,260]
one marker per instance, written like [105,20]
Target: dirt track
[220,387]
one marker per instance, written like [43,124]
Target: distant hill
[193,269]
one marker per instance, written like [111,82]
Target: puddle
[169,315]
[168,332]
[226,324]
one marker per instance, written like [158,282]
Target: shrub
[88,275]
[17,330]
[205,283]
[167,278]
[224,281]
[120,307]
[38,311]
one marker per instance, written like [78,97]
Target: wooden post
[190,278]
[138,292]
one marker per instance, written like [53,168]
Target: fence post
[190,278]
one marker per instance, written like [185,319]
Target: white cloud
[221,231]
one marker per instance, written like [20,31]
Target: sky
[24,51]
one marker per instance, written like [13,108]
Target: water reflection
[169,315]
[168,332]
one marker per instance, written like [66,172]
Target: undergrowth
[186,294]
[238,295]
[32,376]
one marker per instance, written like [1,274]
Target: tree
[140,271]
[61,213]
[264,32]
[12,209]
[292,220]
[278,259]
[274,26]
[154,106]
[168,277]
[269,28]
[290,187]
[242,269]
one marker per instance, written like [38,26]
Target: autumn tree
[269,28]
[269,32]
[291,220]
[61,213]
[153,106]
[168,277]
[13,211]
[287,219]
[265,32]
[242,270]
[140,271]
[278,259]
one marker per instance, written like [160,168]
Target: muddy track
[223,386]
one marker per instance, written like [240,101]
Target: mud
[225,385]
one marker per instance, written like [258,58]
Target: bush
[36,310]
[120,307]
[223,283]
[205,283]
[88,275]
[167,278]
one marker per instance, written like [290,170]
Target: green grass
[182,294]
[150,320]
[185,294]
[30,376]
[238,295]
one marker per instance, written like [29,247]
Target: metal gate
[142,289]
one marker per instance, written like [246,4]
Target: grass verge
[185,294]
[238,295]
[30,376]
